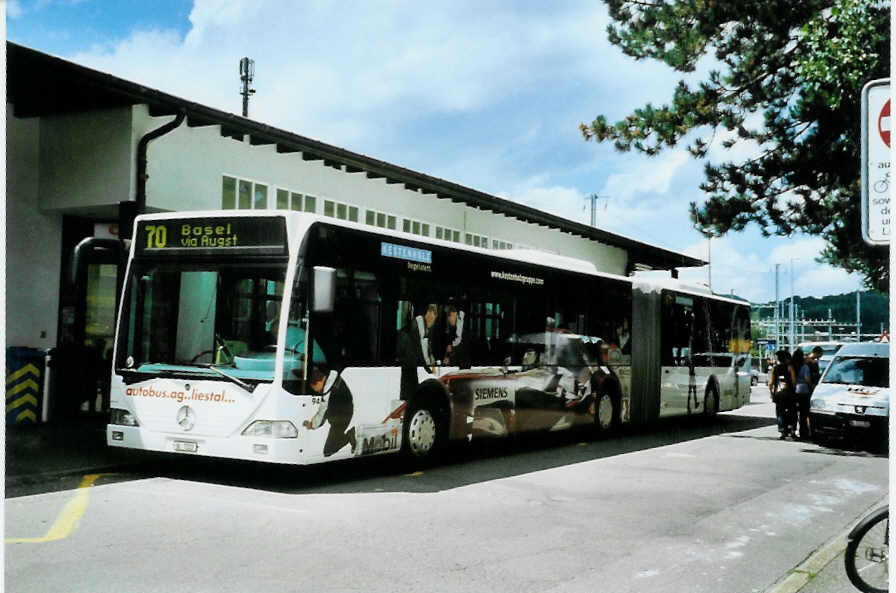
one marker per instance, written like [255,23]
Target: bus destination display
[259,236]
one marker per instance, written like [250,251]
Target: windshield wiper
[239,382]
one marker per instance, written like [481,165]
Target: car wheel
[754,381]
[711,400]
[425,433]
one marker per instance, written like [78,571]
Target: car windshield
[855,370]
[180,315]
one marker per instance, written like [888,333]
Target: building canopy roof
[39,84]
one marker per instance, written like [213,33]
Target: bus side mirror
[323,285]
[86,247]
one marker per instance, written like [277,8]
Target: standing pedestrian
[780,384]
[802,381]
[814,369]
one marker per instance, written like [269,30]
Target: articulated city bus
[293,338]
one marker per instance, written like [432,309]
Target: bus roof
[300,222]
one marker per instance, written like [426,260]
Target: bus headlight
[122,418]
[276,429]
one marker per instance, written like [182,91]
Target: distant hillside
[875,309]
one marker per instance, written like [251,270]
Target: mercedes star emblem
[186,417]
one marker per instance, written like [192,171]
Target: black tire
[425,431]
[867,552]
[606,410]
[711,400]
[754,381]
[819,439]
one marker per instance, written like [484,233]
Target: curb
[797,578]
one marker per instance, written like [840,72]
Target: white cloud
[385,63]
[824,280]
[465,91]
[563,201]
[215,14]
[804,249]
[646,175]
[737,267]
[734,269]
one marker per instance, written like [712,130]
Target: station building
[87,151]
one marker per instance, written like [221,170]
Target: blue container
[24,384]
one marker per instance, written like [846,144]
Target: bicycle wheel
[867,553]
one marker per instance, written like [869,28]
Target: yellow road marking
[414,475]
[68,518]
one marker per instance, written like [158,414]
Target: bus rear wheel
[604,412]
[424,432]
[711,400]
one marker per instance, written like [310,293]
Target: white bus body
[219,308]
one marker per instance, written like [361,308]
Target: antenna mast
[247,73]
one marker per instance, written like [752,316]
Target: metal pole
[790,333]
[777,312]
[709,267]
[247,73]
[858,316]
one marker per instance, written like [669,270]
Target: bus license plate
[185,446]
[860,423]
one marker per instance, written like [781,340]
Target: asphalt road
[694,506]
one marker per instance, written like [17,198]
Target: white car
[852,398]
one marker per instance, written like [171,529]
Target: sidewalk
[58,448]
[823,570]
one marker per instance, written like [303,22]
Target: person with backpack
[802,381]
[781,386]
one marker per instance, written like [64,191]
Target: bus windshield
[186,317]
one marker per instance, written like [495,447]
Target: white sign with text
[876,162]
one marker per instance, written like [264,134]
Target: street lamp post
[790,339]
[777,311]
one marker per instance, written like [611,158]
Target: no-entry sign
[876,162]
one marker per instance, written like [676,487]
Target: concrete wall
[33,242]
[186,167]
[86,159]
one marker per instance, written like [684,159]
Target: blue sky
[488,95]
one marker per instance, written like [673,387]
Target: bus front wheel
[424,431]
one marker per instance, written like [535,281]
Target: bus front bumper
[236,447]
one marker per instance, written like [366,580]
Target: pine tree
[787,81]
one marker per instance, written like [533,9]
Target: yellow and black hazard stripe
[22,394]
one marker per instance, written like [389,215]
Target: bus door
[87,333]
[678,378]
